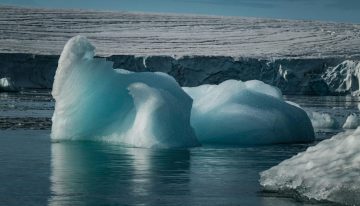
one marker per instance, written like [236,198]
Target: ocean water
[36,171]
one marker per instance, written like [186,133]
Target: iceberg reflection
[89,173]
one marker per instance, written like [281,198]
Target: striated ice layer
[148,34]
[246,113]
[96,102]
[328,171]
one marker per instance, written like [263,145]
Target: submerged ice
[328,171]
[250,113]
[96,102]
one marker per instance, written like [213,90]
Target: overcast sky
[329,10]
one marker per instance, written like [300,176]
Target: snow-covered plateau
[299,57]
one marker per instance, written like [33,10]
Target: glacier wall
[93,101]
[45,31]
[322,76]
[292,76]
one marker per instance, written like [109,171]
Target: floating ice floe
[321,120]
[96,102]
[6,85]
[246,113]
[352,122]
[328,171]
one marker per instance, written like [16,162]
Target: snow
[96,102]
[328,171]
[45,31]
[322,120]
[246,113]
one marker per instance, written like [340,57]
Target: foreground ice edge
[96,102]
[328,171]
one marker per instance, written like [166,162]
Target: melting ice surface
[96,102]
[328,171]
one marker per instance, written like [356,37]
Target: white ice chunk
[323,120]
[344,78]
[6,84]
[96,102]
[352,122]
[246,113]
[328,171]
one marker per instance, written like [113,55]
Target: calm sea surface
[36,171]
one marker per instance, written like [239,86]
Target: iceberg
[246,113]
[7,85]
[352,122]
[344,78]
[322,120]
[328,171]
[146,109]
[96,102]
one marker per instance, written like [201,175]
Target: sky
[326,10]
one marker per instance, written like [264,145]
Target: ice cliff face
[291,76]
[344,78]
[96,102]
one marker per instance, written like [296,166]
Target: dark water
[35,171]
